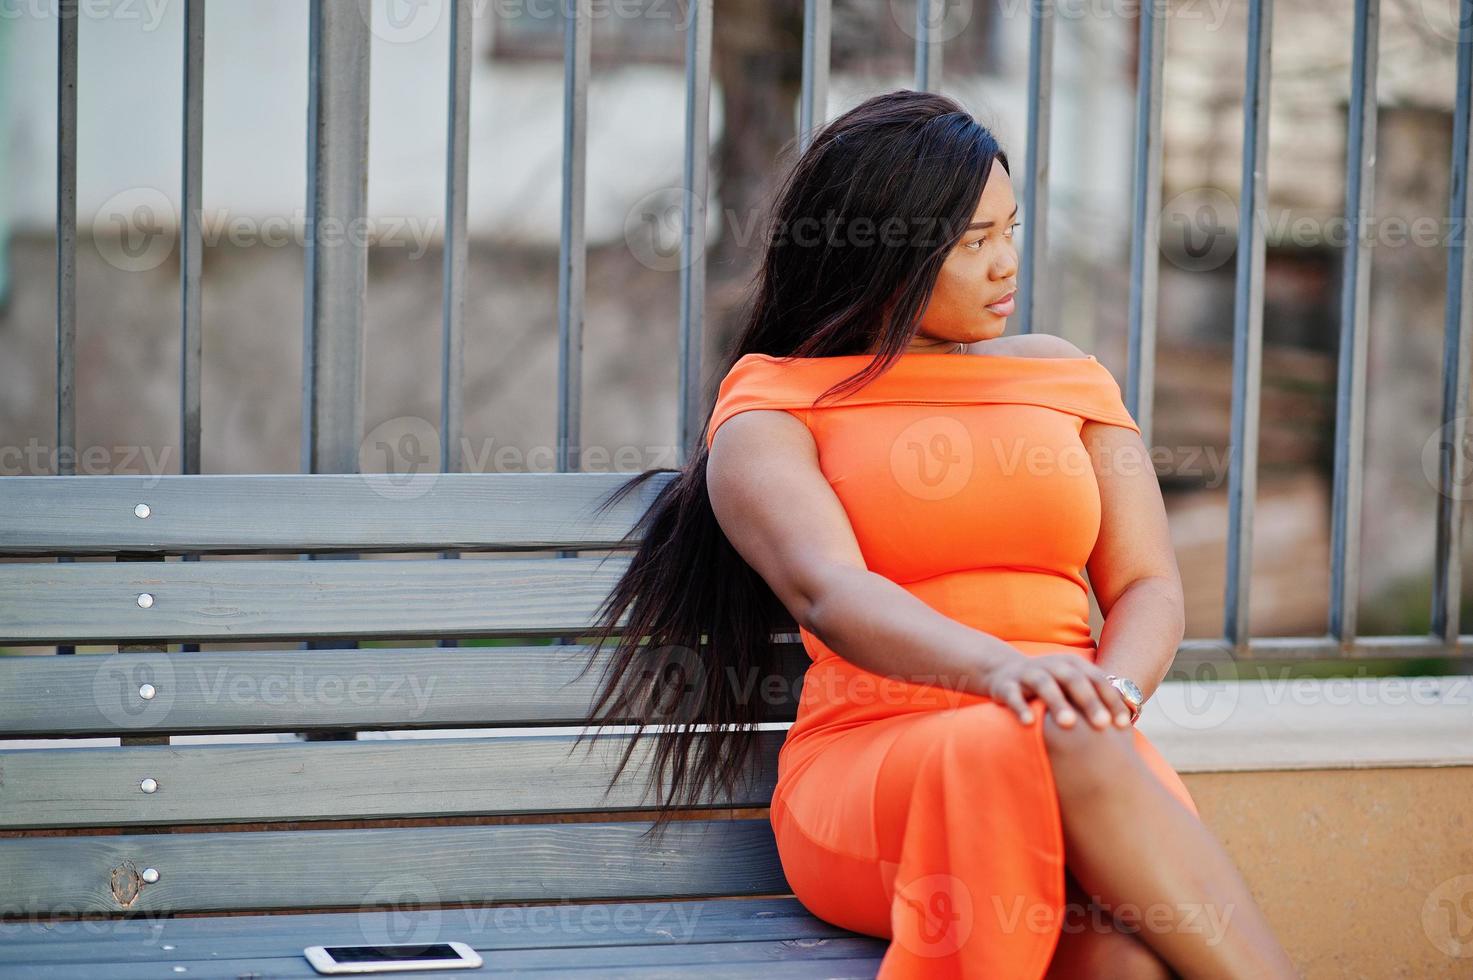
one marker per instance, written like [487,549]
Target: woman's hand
[1059,679]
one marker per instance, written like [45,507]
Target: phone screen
[384,954]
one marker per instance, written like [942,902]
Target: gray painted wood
[98,602]
[143,938]
[100,787]
[265,690]
[316,512]
[288,690]
[836,969]
[777,931]
[854,956]
[394,867]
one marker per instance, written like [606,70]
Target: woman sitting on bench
[921,495]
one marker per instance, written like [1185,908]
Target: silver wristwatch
[1130,692]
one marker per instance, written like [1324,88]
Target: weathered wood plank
[197,784]
[152,938]
[393,867]
[99,602]
[208,513]
[291,690]
[854,956]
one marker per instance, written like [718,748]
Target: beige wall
[1357,869]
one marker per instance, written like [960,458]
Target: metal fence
[337,271]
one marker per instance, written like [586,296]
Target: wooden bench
[168,854]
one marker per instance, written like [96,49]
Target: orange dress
[917,812]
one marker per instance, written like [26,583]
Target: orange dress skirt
[911,811]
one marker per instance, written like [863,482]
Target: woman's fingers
[1067,686]
[1010,692]
[1082,689]
[1012,696]
[1047,687]
[1114,700]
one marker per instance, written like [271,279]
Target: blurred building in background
[255,184]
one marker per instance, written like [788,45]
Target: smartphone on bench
[392,958]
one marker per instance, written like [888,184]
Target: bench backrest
[149,826]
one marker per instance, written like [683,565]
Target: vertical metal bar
[1145,249]
[1248,328]
[336,261]
[191,244]
[695,181]
[66,246]
[336,252]
[190,238]
[457,160]
[929,43]
[813,104]
[457,156]
[1452,478]
[572,245]
[1350,385]
[1035,194]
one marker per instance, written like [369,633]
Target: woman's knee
[1087,759]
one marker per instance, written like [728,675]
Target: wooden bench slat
[292,690]
[209,513]
[743,959]
[358,868]
[860,968]
[98,602]
[196,784]
[506,927]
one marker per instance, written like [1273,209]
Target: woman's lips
[1004,307]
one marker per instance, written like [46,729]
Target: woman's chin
[991,330]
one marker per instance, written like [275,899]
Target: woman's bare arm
[1133,569]
[779,512]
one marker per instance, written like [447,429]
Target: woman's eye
[978,243]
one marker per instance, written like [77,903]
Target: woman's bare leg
[1092,948]
[1131,843]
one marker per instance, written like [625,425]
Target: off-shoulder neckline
[917,355]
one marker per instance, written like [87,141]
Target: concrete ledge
[1312,723]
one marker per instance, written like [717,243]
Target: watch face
[1130,690]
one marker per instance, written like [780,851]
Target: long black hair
[855,239]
